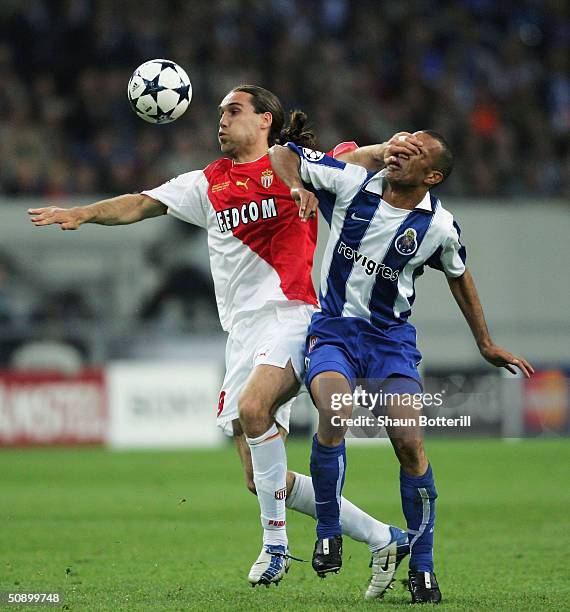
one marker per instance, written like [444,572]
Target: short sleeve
[451,256]
[186,197]
[342,148]
[334,182]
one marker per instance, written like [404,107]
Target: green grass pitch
[179,531]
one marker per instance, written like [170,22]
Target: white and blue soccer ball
[159,91]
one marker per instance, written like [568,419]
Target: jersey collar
[375,186]
[253,161]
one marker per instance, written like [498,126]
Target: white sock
[355,523]
[269,475]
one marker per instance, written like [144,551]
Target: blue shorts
[357,349]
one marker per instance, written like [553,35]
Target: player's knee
[407,444]
[333,415]
[250,409]
[410,450]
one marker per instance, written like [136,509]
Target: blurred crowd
[494,77]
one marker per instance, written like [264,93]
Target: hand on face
[401,147]
[403,144]
[409,158]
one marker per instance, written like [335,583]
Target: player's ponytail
[297,131]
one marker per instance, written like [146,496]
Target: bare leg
[407,441]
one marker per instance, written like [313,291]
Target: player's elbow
[276,150]
[280,154]
[456,280]
[275,153]
[148,207]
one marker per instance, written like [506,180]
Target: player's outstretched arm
[286,164]
[465,294]
[121,210]
[372,157]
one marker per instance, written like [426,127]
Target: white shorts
[272,335]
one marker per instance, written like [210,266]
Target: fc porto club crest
[406,243]
[267,178]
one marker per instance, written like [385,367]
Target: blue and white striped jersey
[375,251]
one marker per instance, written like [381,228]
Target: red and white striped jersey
[260,252]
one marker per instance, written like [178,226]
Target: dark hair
[297,131]
[264,101]
[444,163]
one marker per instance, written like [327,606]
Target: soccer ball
[159,91]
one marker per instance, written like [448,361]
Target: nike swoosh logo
[387,564]
[353,216]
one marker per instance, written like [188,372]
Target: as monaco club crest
[406,243]
[267,178]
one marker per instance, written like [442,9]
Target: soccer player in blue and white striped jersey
[385,227]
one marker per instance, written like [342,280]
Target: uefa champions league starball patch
[406,243]
[312,155]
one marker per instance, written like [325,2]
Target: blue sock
[328,464]
[418,503]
